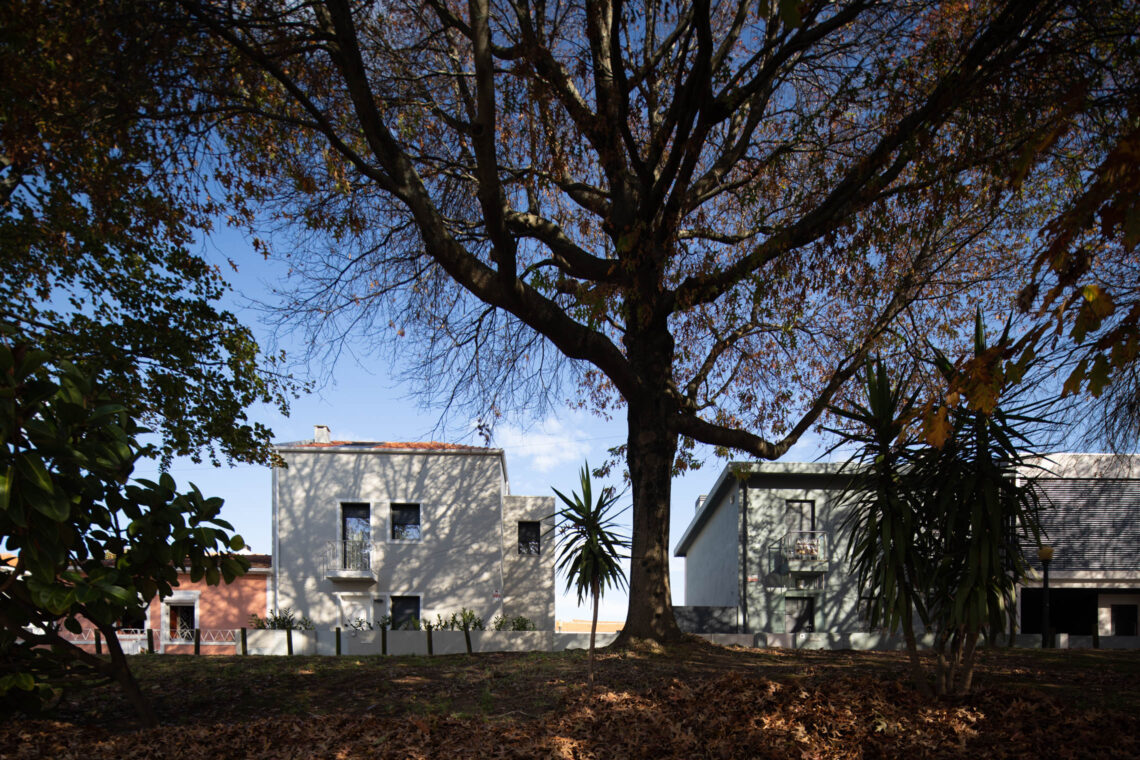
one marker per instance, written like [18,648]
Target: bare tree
[706,214]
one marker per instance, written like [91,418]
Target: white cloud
[548,445]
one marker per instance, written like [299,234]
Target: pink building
[215,612]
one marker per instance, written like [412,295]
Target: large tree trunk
[652,447]
[120,670]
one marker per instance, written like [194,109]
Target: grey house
[1092,522]
[764,552]
[409,530]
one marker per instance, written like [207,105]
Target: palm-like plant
[885,524]
[937,527]
[984,514]
[591,550]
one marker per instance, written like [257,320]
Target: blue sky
[362,402]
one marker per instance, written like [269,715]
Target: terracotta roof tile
[417,445]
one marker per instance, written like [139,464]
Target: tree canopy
[86,542]
[98,224]
[706,214]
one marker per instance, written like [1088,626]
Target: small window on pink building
[181,622]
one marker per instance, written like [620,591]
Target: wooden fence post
[150,640]
[98,642]
[383,639]
[244,647]
[428,628]
[289,641]
[338,641]
[197,641]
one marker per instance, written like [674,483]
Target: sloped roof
[389,445]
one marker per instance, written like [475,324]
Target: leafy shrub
[281,620]
[516,623]
[457,620]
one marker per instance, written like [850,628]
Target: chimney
[321,434]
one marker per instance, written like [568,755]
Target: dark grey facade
[1091,519]
[767,545]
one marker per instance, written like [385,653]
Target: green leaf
[1098,375]
[32,469]
[6,488]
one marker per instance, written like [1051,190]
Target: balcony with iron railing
[348,560]
[806,551]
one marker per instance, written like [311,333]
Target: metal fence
[348,555]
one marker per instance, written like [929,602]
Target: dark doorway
[799,614]
[1071,610]
[1124,619]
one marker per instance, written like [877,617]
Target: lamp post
[1045,554]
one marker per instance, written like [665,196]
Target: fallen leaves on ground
[843,714]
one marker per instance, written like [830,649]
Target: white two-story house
[364,530]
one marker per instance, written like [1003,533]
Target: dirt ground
[692,700]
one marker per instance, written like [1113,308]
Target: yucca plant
[937,526]
[887,538]
[591,547]
[986,510]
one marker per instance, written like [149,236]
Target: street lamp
[1045,554]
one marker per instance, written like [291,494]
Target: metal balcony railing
[350,556]
[806,546]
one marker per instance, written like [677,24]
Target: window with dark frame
[356,536]
[800,515]
[406,524]
[181,622]
[133,621]
[405,610]
[530,537]
[1124,619]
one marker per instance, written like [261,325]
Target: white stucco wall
[458,562]
[712,562]
[528,580]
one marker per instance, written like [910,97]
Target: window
[405,612]
[181,622]
[405,522]
[1124,619]
[356,536]
[135,620]
[806,581]
[800,515]
[530,537]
